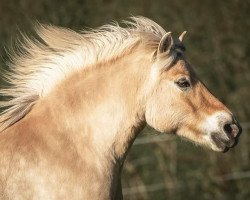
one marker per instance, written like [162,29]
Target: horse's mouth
[223,144]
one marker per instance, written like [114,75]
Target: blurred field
[218,46]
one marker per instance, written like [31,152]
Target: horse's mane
[39,64]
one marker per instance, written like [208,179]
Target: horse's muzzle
[232,131]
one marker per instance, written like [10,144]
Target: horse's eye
[183,83]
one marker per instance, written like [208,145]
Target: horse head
[179,102]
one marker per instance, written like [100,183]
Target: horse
[74,103]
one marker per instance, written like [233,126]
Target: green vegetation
[218,46]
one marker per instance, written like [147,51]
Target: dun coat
[76,102]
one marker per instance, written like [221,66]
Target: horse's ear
[182,36]
[166,43]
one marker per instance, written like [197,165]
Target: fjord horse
[76,102]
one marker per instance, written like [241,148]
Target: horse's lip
[222,143]
[226,149]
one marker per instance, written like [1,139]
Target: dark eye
[183,83]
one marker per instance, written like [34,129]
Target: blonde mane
[41,63]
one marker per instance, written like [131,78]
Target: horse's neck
[104,105]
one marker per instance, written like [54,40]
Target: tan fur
[74,140]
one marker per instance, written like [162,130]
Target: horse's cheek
[157,116]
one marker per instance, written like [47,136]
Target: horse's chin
[213,141]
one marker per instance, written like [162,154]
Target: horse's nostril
[231,130]
[227,128]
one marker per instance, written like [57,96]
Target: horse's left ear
[182,36]
[166,43]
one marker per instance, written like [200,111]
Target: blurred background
[218,46]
